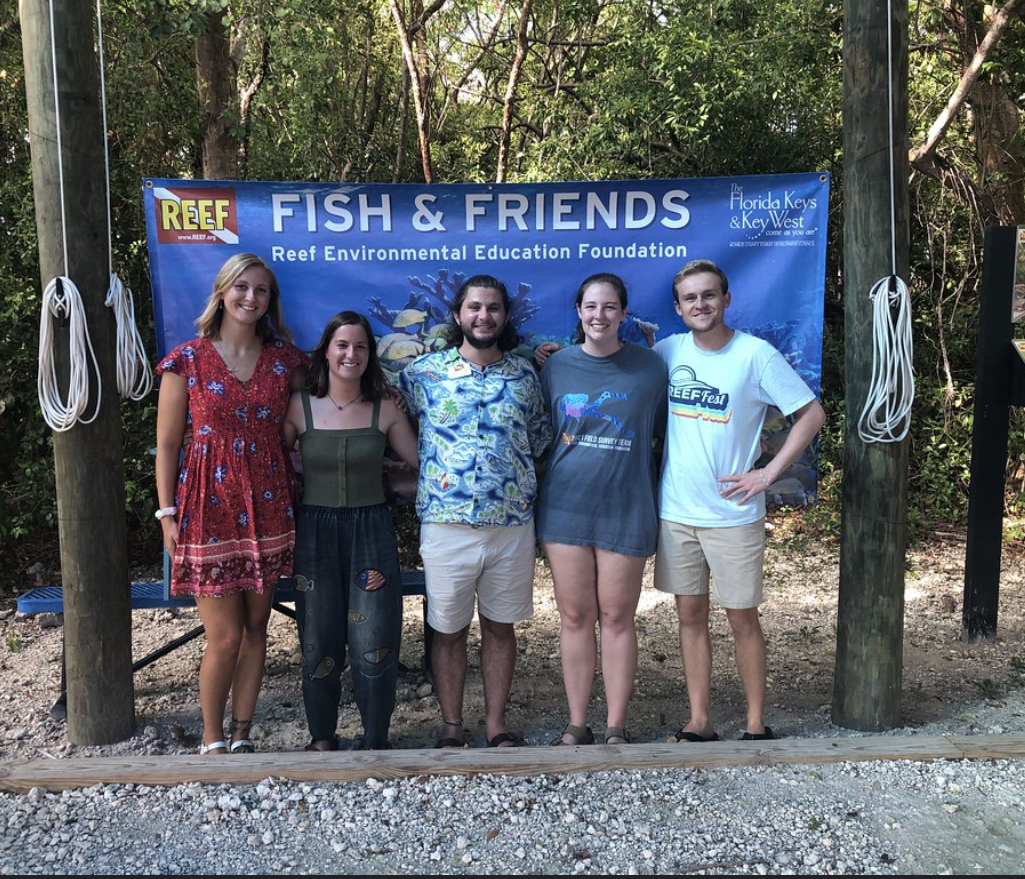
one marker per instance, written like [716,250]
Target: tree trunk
[218,93]
[998,139]
[419,96]
[510,92]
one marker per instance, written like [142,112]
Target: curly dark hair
[509,339]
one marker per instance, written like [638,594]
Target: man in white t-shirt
[712,510]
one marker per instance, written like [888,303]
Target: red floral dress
[236,489]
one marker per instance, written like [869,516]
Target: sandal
[683,735]
[766,736]
[243,746]
[448,742]
[323,745]
[214,748]
[582,734]
[617,732]
[501,738]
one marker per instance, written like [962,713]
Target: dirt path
[948,684]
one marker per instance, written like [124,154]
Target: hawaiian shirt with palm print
[480,431]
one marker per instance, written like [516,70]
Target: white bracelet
[765,481]
[166,511]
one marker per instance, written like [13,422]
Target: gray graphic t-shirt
[601,486]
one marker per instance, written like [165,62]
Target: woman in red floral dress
[228,513]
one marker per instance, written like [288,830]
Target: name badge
[459,370]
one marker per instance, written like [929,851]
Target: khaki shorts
[733,556]
[494,563]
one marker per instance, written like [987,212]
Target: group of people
[234,403]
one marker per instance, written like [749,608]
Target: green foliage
[608,90]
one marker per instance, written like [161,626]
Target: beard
[481,341]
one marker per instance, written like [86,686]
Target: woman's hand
[169,525]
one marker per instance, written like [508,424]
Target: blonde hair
[270,327]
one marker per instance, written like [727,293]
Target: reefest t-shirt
[600,488]
[717,405]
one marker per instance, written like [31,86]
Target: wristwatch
[166,511]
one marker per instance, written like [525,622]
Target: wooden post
[88,458]
[997,367]
[869,652]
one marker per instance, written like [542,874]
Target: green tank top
[342,468]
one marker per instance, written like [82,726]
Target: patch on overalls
[323,669]
[356,617]
[370,580]
[302,584]
[376,657]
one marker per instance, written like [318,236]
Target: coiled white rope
[134,374]
[886,417]
[62,300]
[887,413]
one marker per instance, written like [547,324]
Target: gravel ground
[881,818]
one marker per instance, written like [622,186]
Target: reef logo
[195,216]
[691,398]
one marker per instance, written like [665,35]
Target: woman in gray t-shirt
[597,512]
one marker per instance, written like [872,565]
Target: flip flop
[243,746]
[766,736]
[214,748]
[686,736]
[503,737]
[582,734]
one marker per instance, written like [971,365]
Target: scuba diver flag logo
[195,216]
[691,398]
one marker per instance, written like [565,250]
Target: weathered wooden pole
[869,649]
[88,458]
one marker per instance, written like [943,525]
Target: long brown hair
[372,384]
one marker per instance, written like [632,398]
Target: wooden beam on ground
[870,610]
[54,775]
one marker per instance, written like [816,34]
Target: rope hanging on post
[134,374]
[61,299]
[886,417]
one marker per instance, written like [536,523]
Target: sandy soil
[949,685]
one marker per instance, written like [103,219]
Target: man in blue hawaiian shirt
[482,424]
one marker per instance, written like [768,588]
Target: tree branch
[510,92]
[924,157]
[417,86]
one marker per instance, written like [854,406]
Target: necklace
[233,368]
[345,406]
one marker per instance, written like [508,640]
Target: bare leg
[448,660]
[252,660]
[575,574]
[497,663]
[749,647]
[696,649]
[223,620]
[619,589]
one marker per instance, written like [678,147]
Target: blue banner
[399,252]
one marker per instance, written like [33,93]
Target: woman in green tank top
[348,583]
